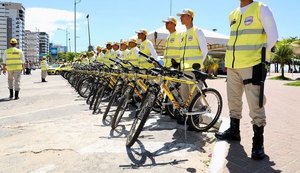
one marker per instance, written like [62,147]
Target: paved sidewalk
[282,133]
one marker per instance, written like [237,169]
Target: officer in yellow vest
[172,47]
[99,55]
[124,50]
[108,54]
[44,67]
[146,47]
[13,62]
[193,42]
[193,49]
[91,57]
[84,59]
[252,28]
[133,55]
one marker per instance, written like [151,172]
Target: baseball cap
[132,40]
[170,19]
[186,11]
[143,31]
[13,41]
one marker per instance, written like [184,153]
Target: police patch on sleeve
[172,40]
[248,20]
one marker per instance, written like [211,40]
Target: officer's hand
[4,71]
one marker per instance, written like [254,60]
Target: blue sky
[119,19]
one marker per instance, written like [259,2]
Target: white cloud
[48,20]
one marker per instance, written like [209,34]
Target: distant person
[14,63]
[252,28]
[44,68]
[27,67]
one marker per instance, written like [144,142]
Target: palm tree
[283,55]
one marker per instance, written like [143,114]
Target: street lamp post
[75,3]
[67,33]
[90,48]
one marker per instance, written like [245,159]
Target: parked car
[55,68]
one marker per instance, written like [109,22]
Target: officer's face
[170,25]
[123,46]
[115,47]
[184,19]
[108,46]
[132,44]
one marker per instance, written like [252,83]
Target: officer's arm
[269,25]
[152,50]
[202,43]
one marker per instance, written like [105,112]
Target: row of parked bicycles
[125,85]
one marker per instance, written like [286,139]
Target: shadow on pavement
[5,100]
[238,161]
[138,156]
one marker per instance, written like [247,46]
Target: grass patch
[280,78]
[296,83]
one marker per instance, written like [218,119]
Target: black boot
[233,133]
[16,95]
[258,152]
[11,93]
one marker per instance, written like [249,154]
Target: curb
[220,150]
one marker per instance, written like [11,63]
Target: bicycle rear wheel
[140,120]
[209,107]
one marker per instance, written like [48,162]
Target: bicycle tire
[110,103]
[211,95]
[140,119]
[99,99]
[121,107]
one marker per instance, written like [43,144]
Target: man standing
[193,42]
[13,62]
[44,68]
[147,48]
[193,50]
[172,51]
[133,55]
[253,31]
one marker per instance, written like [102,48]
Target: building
[12,20]
[44,43]
[32,46]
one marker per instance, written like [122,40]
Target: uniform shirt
[202,42]
[152,50]
[268,23]
[4,57]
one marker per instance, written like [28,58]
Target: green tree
[283,55]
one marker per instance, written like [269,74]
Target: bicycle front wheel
[209,106]
[140,120]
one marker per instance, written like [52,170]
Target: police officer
[108,54]
[193,42]
[172,46]
[13,62]
[99,55]
[252,27]
[133,55]
[124,50]
[193,49]
[84,59]
[91,57]
[146,47]
[44,67]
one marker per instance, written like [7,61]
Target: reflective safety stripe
[175,57]
[14,58]
[173,48]
[13,64]
[247,31]
[246,47]
[191,47]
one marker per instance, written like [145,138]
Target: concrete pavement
[50,129]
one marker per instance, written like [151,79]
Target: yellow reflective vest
[172,50]
[133,58]
[108,54]
[190,51]
[43,65]
[145,49]
[13,59]
[247,37]
[100,57]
